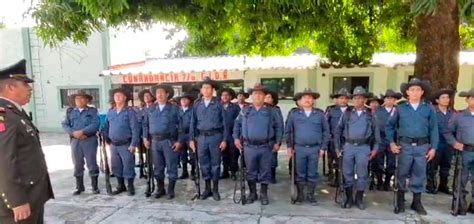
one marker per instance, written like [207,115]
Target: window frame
[369,75]
[292,77]
[99,91]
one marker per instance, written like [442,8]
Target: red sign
[173,77]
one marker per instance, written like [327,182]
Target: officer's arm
[67,124]
[326,133]
[178,132]
[449,130]
[192,125]
[339,132]
[434,131]
[224,123]
[376,131]
[289,130]
[93,127]
[237,133]
[134,127]
[391,126]
[13,192]
[145,125]
[278,125]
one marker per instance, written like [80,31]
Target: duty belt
[210,132]
[121,143]
[469,148]
[161,137]
[257,143]
[357,141]
[414,141]
[308,145]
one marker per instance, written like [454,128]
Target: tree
[343,31]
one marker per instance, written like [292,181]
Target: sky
[12,13]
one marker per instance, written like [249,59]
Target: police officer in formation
[258,132]
[308,135]
[355,133]
[122,133]
[375,172]
[460,135]
[82,124]
[146,101]
[209,130]
[412,131]
[230,156]
[242,97]
[333,114]
[385,159]
[162,125]
[185,113]
[272,99]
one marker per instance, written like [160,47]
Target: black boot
[443,186]
[401,202]
[416,204]
[273,176]
[386,183]
[94,184]
[193,173]
[253,192]
[332,180]
[359,200]
[471,207]
[299,193]
[225,173]
[310,194]
[79,185]
[379,181]
[160,191]
[430,186]
[121,186]
[233,175]
[184,174]
[215,191]
[207,191]
[348,202]
[264,194]
[171,185]
[131,187]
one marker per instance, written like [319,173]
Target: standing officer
[333,114]
[272,99]
[416,126]
[261,129]
[385,159]
[242,96]
[82,124]
[460,135]
[230,156]
[308,134]
[122,132]
[209,128]
[24,180]
[185,114]
[162,126]
[355,133]
[444,153]
[146,101]
[373,103]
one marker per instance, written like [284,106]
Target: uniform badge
[2,110]
[2,118]
[3,127]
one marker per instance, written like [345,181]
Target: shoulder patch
[3,127]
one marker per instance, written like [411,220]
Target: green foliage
[344,31]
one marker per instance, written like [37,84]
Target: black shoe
[299,193]
[233,176]
[310,194]
[430,186]
[252,192]
[273,176]
[348,200]
[401,202]
[224,175]
[215,191]
[171,186]
[207,191]
[94,184]
[131,187]
[416,204]
[443,186]
[160,190]
[471,208]
[184,174]
[359,200]
[121,186]
[79,185]
[264,194]
[386,183]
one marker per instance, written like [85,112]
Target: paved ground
[104,209]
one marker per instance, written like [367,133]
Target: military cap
[16,71]
[83,94]
[392,94]
[141,95]
[259,87]
[469,93]
[208,80]
[360,91]
[228,90]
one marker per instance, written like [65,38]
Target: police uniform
[209,128]
[230,156]
[185,153]
[85,120]
[461,130]
[355,133]
[122,131]
[260,130]
[307,133]
[416,131]
[275,153]
[141,112]
[23,171]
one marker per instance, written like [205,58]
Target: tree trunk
[438,46]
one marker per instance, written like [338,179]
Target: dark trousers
[258,160]
[230,157]
[36,217]
[165,158]
[85,150]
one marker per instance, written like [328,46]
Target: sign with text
[175,77]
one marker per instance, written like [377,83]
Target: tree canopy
[344,31]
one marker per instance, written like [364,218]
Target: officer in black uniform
[24,180]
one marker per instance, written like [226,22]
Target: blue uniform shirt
[352,126]
[443,120]
[303,130]
[185,117]
[462,125]
[231,112]
[262,125]
[411,123]
[208,118]
[87,121]
[122,126]
[163,122]
[381,118]
[333,115]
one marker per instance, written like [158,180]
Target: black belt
[357,141]
[308,145]
[210,132]
[121,143]
[186,130]
[161,137]
[468,148]
[257,143]
[414,141]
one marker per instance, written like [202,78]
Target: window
[66,102]
[285,87]
[349,83]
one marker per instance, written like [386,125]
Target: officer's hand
[276,147]
[395,148]
[192,145]
[290,152]
[322,153]
[458,146]
[238,144]
[223,145]
[431,154]
[132,149]
[373,154]
[21,212]
[146,143]
[83,137]
[77,134]
[176,146]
